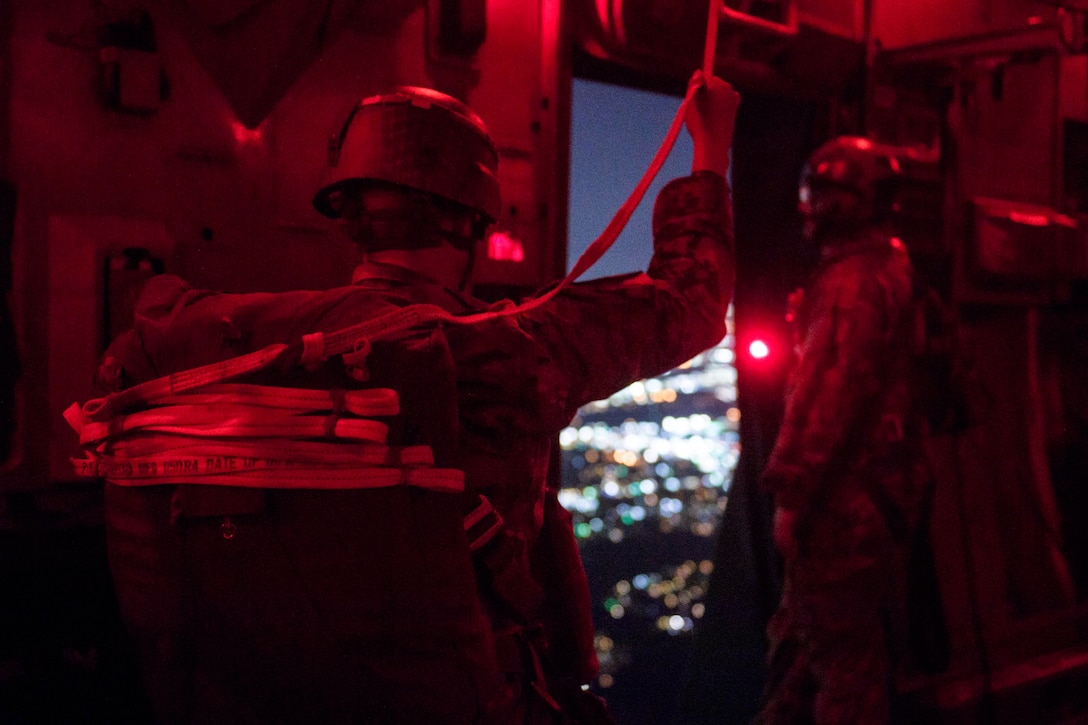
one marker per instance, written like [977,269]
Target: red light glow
[503,247]
[246,136]
[758,349]
[1033,220]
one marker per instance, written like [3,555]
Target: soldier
[840,470]
[420,570]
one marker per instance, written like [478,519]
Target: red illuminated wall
[897,24]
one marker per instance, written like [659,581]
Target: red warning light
[759,349]
[503,247]
[246,136]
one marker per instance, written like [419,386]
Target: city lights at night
[646,475]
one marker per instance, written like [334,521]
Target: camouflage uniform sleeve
[607,333]
[832,386]
[127,361]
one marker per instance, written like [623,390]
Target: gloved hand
[709,119]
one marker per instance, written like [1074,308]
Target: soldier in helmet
[416,570]
[417,212]
[840,470]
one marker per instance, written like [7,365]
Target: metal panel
[802,49]
[897,24]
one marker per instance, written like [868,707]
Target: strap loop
[313,351]
[482,524]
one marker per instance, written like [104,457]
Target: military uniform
[842,468]
[285,605]
[299,604]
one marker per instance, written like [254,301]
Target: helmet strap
[470,265]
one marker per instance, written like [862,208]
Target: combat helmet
[416,138]
[868,172]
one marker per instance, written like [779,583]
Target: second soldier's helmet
[850,182]
[416,138]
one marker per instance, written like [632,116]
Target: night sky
[615,133]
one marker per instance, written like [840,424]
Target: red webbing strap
[711,44]
[482,524]
[103,408]
[256,436]
[446,480]
[159,456]
[371,401]
[183,452]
